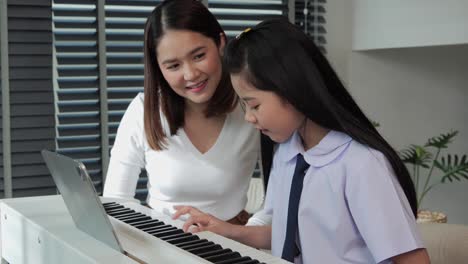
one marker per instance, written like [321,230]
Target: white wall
[414,93]
[403,23]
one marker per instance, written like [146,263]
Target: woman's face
[191,64]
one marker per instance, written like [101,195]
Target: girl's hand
[200,221]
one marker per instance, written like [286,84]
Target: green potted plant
[423,165]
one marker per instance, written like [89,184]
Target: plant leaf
[442,140]
[416,155]
[457,170]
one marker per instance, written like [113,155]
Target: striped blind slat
[77,86]
[310,16]
[30,95]
[76,45]
[236,16]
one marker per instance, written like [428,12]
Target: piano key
[114,207]
[176,241]
[120,212]
[197,245]
[137,219]
[234,260]
[121,217]
[150,223]
[190,243]
[208,254]
[165,238]
[156,228]
[163,233]
[253,261]
[199,250]
[224,256]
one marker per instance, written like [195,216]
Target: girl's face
[270,114]
[191,64]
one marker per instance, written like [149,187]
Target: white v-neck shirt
[216,181]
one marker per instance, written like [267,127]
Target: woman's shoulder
[136,106]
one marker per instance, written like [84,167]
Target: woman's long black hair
[277,56]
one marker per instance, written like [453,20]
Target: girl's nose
[249,117]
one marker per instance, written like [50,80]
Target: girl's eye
[255,107]
[199,56]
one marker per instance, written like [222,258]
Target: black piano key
[234,260]
[133,220]
[253,261]
[161,230]
[167,233]
[182,234]
[113,207]
[109,204]
[131,215]
[224,256]
[194,244]
[202,249]
[120,212]
[176,241]
[146,224]
[156,228]
[211,253]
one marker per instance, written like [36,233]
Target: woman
[182,129]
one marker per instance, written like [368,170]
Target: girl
[187,129]
[357,203]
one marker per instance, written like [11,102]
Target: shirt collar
[327,150]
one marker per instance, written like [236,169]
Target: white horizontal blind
[310,16]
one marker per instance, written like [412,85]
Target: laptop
[81,199]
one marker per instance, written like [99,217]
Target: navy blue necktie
[290,249]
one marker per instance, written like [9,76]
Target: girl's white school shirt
[216,181]
[352,208]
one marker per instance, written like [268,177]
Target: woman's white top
[215,182]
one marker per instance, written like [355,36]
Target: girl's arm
[417,256]
[254,236]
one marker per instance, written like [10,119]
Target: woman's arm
[121,181]
[254,236]
[418,256]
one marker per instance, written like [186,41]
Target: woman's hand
[200,221]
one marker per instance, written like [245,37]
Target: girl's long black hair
[277,56]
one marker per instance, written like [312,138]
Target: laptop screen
[80,197]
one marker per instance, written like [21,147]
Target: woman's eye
[172,67]
[199,56]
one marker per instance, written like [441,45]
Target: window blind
[237,15]
[77,83]
[310,16]
[31,115]
[76,45]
